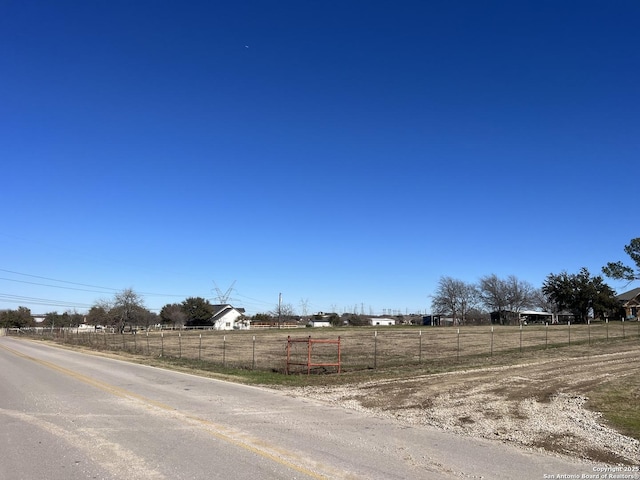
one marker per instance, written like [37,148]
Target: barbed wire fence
[360,347]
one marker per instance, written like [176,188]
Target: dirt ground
[541,402]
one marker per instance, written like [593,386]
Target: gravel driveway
[540,404]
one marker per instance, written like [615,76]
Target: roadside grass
[619,403]
[327,376]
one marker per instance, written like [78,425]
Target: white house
[227,317]
[320,322]
[320,319]
[382,322]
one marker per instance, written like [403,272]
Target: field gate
[305,359]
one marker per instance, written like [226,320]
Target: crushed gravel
[501,404]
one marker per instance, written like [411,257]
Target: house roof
[220,310]
[630,295]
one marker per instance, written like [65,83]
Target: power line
[52,286]
[40,301]
[56,280]
[110,289]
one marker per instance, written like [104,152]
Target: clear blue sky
[349,153]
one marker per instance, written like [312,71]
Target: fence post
[253,359]
[309,355]
[420,348]
[162,344]
[569,330]
[520,338]
[623,335]
[179,344]
[224,350]
[492,340]
[589,330]
[200,348]
[375,349]
[546,334]
[458,352]
[606,321]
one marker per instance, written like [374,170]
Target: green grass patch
[619,403]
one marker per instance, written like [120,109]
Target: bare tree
[128,305]
[544,302]
[493,293]
[283,312]
[506,295]
[454,297]
[520,294]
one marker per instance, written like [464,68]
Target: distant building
[630,302]
[320,319]
[320,322]
[431,320]
[228,317]
[382,321]
[525,317]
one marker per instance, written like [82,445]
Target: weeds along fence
[360,347]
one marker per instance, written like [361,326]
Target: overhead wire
[109,289]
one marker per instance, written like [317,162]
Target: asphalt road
[66,415]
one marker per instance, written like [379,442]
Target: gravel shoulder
[541,404]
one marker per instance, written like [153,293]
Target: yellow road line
[120,392]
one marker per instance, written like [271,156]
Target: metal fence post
[375,349]
[253,359]
[200,348]
[491,340]
[546,334]
[520,338]
[420,348]
[569,330]
[224,350]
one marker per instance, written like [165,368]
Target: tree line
[581,294]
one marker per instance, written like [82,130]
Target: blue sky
[346,153]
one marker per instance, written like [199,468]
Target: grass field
[361,348]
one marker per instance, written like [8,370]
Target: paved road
[66,415]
